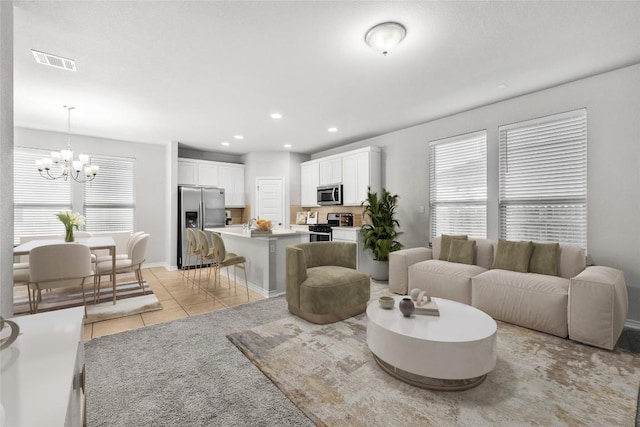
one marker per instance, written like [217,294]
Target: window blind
[36,200]
[109,200]
[543,179]
[458,185]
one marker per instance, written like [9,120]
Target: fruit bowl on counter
[263,227]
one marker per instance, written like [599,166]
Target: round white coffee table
[453,351]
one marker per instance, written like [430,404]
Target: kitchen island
[265,255]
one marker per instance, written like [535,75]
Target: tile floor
[179,298]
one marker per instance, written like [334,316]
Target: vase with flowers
[70,220]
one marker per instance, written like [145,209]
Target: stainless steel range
[320,233]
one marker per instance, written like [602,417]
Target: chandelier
[80,170]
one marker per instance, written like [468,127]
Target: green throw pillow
[544,258]
[445,245]
[513,256]
[462,251]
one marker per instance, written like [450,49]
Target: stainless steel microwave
[330,195]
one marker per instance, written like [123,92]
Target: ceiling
[201,72]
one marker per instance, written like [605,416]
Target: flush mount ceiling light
[386,36]
[225,143]
[54,60]
[332,129]
[238,137]
[276,116]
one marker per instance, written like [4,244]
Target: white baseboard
[632,324]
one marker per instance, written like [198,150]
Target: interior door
[270,200]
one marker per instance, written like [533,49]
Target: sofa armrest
[598,306]
[399,262]
[296,273]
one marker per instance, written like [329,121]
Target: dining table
[94,243]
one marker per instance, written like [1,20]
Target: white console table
[42,377]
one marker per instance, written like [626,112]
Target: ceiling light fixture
[64,159]
[333,129]
[276,115]
[238,137]
[386,36]
[502,86]
[54,60]
[287,145]
[225,143]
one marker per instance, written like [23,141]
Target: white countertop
[240,232]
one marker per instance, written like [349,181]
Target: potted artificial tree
[380,231]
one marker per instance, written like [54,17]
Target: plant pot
[380,270]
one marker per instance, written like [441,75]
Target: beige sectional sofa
[586,303]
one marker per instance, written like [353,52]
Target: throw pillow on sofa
[462,251]
[544,258]
[445,245]
[513,256]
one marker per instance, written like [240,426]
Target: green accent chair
[323,285]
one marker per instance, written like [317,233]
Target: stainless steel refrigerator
[198,208]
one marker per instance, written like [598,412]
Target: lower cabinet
[355,235]
[43,371]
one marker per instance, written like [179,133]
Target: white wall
[613,113]
[152,178]
[6,160]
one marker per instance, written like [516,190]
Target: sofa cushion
[572,261]
[462,251]
[444,279]
[531,300]
[445,245]
[330,289]
[483,256]
[544,258]
[513,256]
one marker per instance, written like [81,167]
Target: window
[458,185]
[36,200]
[543,179]
[109,200]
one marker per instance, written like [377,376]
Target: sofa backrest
[572,261]
[483,256]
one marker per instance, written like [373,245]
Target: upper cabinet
[229,176]
[356,170]
[330,170]
[309,182]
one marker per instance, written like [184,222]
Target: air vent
[54,61]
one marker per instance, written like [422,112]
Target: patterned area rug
[329,373]
[130,299]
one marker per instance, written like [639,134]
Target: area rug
[330,374]
[186,373]
[130,299]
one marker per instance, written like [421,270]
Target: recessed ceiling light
[225,143]
[332,129]
[287,145]
[238,137]
[502,86]
[54,60]
[276,115]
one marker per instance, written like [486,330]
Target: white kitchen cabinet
[360,170]
[309,182]
[187,173]
[208,174]
[43,377]
[331,170]
[354,235]
[229,176]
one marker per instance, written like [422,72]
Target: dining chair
[206,254]
[130,241]
[193,250]
[228,259]
[132,264]
[21,278]
[59,266]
